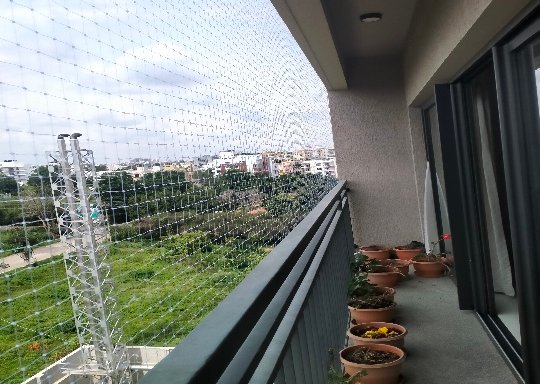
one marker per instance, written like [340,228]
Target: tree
[39,180]
[116,190]
[204,177]
[8,184]
[282,203]
[101,167]
[235,179]
[164,180]
[234,199]
[37,206]
[10,212]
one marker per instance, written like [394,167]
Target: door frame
[520,132]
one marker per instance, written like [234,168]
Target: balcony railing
[285,322]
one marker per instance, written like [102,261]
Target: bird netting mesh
[205,137]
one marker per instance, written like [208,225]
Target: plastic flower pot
[376,252]
[396,341]
[386,373]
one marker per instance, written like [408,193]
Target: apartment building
[15,169]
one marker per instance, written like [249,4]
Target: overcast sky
[167,79]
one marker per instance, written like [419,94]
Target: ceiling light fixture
[370,17]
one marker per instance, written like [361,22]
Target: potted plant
[384,276]
[378,274]
[381,362]
[431,264]
[360,287]
[407,252]
[402,266]
[371,308]
[378,333]
[337,377]
[376,252]
[368,303]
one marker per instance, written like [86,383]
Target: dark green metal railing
[284,320]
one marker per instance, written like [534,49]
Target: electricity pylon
[76,198]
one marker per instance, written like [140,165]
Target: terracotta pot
[401,265]
[373,315]
[387,373]
[407,254]
[429,268]
[376,252]
[384,279]
[386,292]
[397,341]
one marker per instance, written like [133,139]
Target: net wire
[208,137]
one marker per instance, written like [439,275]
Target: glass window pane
[491,181]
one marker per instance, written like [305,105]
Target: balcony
[286,321]
[432,107]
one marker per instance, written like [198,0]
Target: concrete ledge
[141,359]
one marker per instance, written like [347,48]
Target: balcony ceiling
[330,32]
[354,39]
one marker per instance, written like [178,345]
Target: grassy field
[13,240]
[161,298]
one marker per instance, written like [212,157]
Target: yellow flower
[370,334]
[383,330]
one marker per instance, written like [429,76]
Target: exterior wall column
[374,152]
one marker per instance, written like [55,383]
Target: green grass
[161,295]
[13,239]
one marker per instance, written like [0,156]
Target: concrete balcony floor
[445,345]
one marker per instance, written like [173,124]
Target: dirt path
[41,253]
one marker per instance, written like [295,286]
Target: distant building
[226,155]
[203,161]
[169,167]
[233,166]
[325,167]
[139,170]
[287,167]
[270,165]
[15,169]
[247,162]
[313,153]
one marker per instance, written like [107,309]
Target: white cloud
[164,80]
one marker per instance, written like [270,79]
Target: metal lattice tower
[76,199]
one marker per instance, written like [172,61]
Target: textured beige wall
[445,35]
[374,152]
[377,131]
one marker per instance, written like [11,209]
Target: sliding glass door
[517,71]
[486,126]
[490,182]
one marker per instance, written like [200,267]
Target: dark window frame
[520,123]
[430,157]
[519,116]
[484,302]
[466,210]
